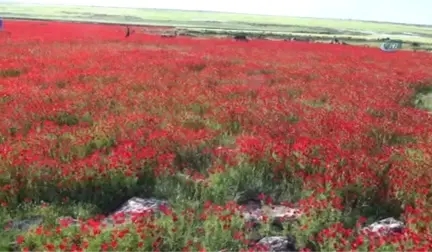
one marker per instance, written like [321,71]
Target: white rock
[136,206]
[140,205]
[278,243]
[385,226]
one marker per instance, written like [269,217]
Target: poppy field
[233,143]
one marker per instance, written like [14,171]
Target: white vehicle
[391,46]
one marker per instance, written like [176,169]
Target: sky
[401,11]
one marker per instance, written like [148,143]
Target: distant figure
[335,41]
[2,30]
[415,46]
[241,38]
[128,33]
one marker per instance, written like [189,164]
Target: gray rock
[136,206]
[279,243]
[26,224]
[140,205]
[385,226]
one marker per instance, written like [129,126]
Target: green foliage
[193,158]
[197,67]
[421,98]
[7,73]
[66,118]
[384,137]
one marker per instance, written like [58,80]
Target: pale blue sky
[405,11]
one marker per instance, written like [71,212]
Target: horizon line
[225,12]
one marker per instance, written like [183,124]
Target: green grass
[423,97]
[8,73]
[239,183]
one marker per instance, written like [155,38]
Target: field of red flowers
[219,130]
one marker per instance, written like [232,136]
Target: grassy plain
[214,21]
